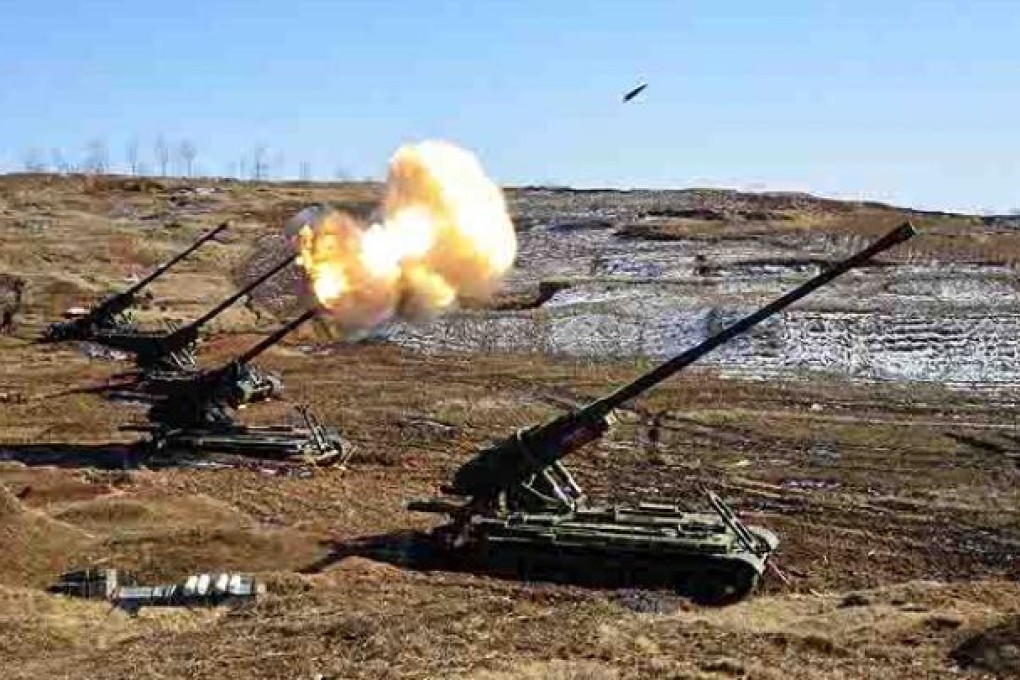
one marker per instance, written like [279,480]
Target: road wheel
[720,586]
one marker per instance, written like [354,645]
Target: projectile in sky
[635,92]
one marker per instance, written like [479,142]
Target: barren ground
[897,504]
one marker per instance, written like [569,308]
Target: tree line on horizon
[169,158]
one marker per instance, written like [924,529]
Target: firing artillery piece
[160,355]
[111,315]
[195,411]
[163,353]
[516,506]
[191,408]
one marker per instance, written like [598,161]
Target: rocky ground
[652,273]
[872,426]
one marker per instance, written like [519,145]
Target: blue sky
[911,102]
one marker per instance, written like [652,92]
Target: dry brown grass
[35,626]
[919,526]
[942,238]
[35,546]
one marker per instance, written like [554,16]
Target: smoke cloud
[444,236]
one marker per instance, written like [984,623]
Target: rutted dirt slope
[896,501]
[942,307]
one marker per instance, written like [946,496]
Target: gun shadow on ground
[416,551]
[125,456]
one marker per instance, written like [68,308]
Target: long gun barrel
[528,452]
[682,361]
[275,338]
[103,314]
[186,335]
[150,347]
[160,270]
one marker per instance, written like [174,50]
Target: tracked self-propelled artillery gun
[112,314]
[515,506]
[160,354]
[195,411]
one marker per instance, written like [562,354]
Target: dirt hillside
[897,501]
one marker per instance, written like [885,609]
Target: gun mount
[109,315]
[210,396]
[195,410]
[516,504]
[175,349]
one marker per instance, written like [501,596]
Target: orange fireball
[445,233]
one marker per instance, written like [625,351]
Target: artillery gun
[195,410]
[174,349]
[111,314]
[162,355]
[516,506]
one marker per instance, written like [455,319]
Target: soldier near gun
[655,431]
[12,307]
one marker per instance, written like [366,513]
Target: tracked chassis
[276,442]
[515,505]
[711,557]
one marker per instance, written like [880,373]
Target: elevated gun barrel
[161,269]
[898,235]
[275,338]
[103,315]
[149,347]
[183,336]
[529,451]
